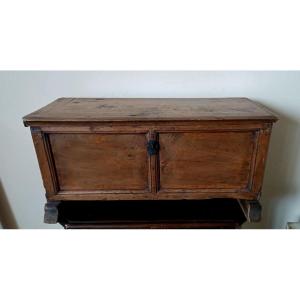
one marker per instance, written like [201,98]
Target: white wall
[22,92]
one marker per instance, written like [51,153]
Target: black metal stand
[251,209]
[169,214]
[51,212]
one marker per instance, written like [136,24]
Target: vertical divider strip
[153,164]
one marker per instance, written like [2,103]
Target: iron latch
[152,147]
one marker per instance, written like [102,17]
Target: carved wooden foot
[51,212]
[251,209]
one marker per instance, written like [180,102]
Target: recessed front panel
[100,162]
[206,160]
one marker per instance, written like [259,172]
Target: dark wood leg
[251,209]
[51,212]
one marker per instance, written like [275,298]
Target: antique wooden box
[99,149]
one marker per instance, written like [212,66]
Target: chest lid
[149,109]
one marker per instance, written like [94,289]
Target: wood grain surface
[97,149]
[217,160]
[100,161]
[143,109]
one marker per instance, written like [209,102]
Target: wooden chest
[98,149]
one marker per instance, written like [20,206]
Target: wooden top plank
[146,109]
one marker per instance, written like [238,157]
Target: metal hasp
[152,147]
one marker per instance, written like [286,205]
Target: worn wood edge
[266,109]
[146,125]
[41,122]
[43,153]
[150,196]
[261,159]
[33,117]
